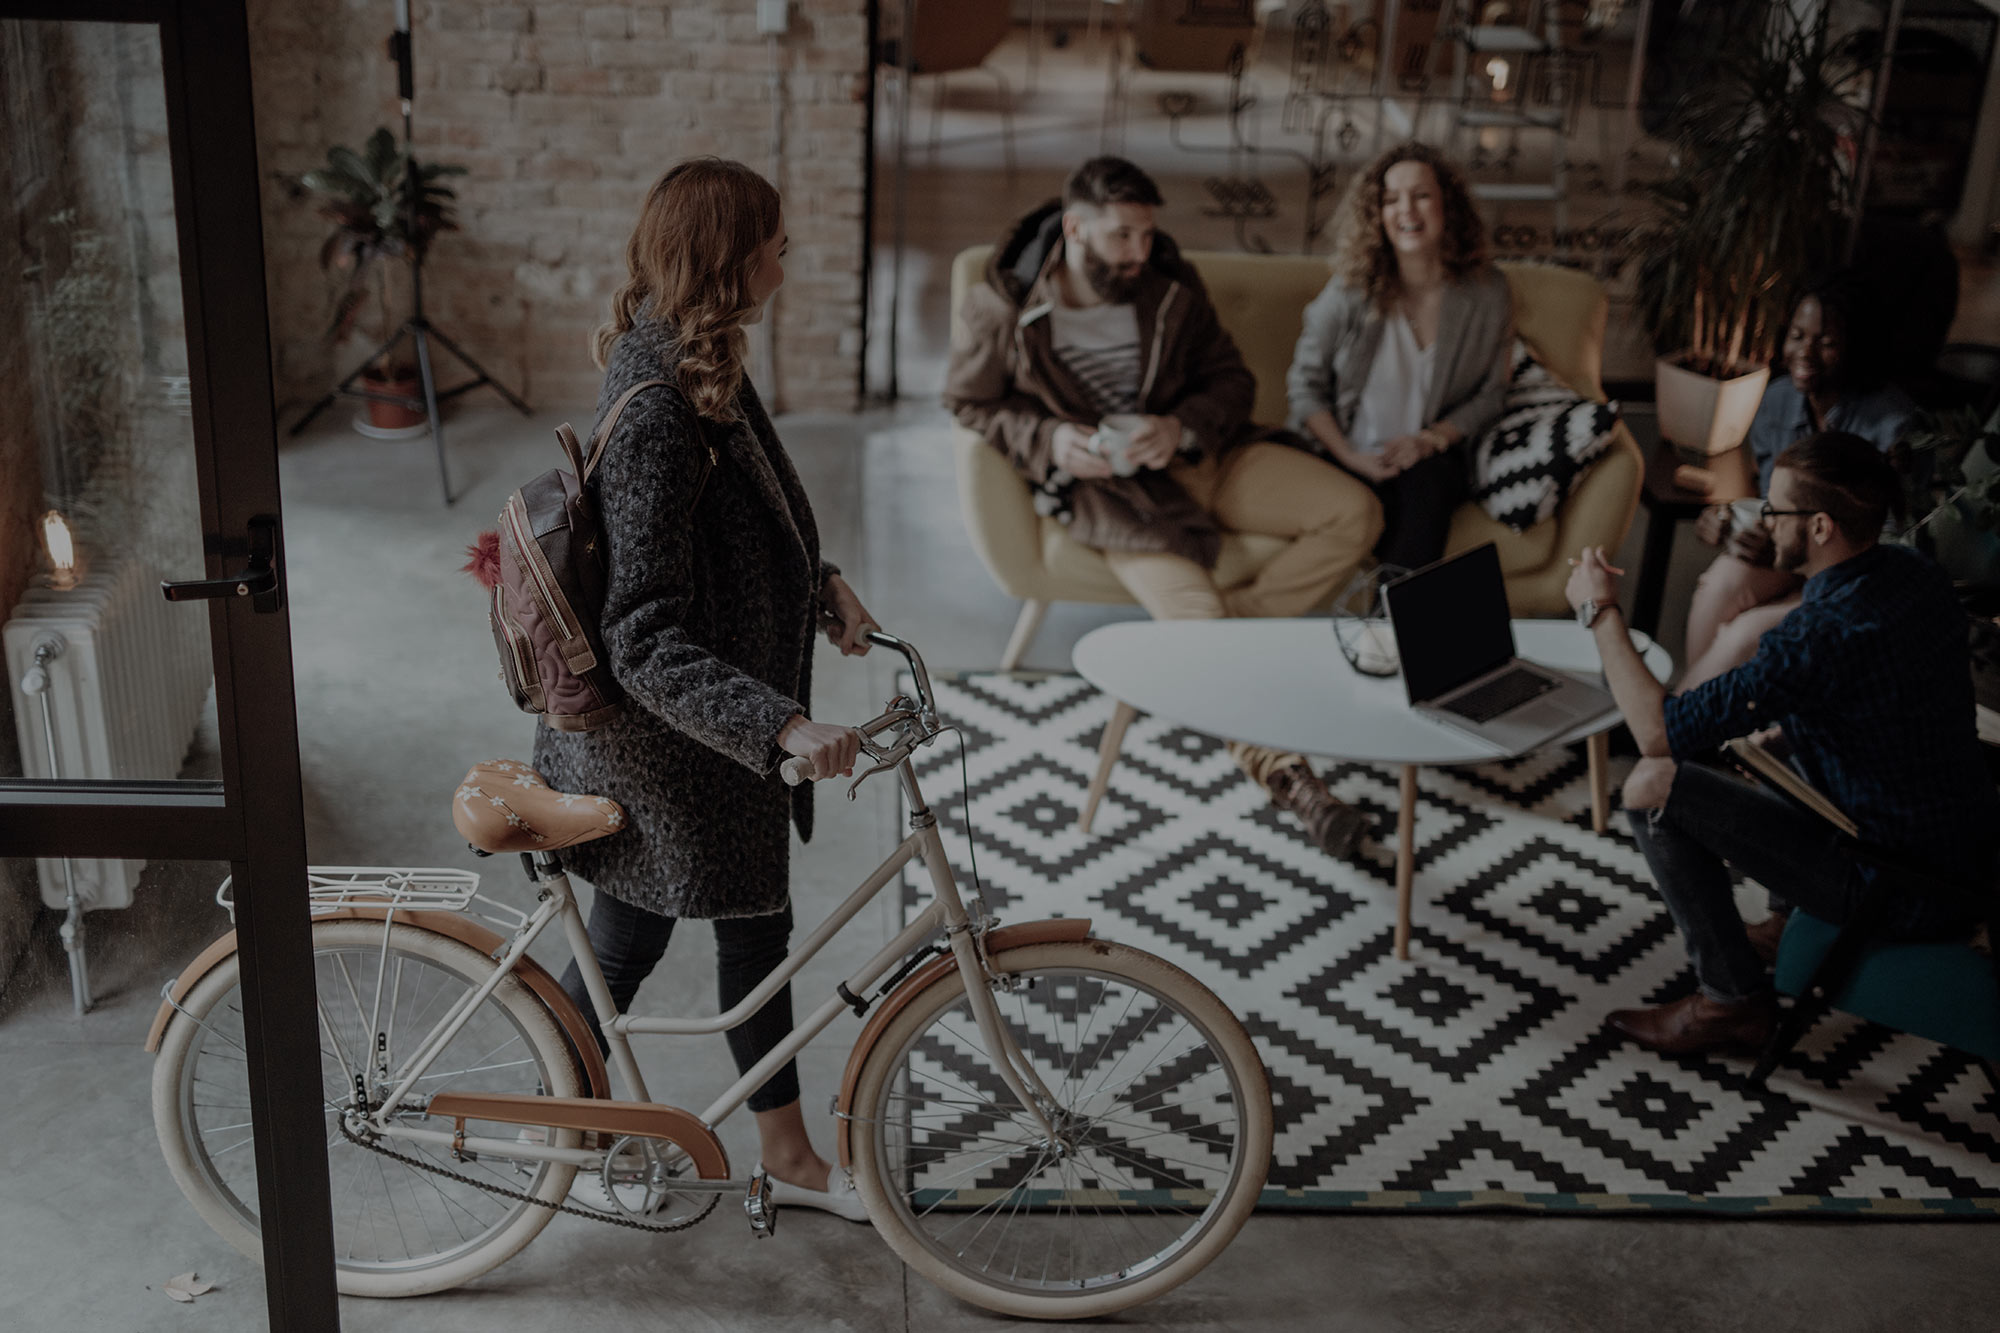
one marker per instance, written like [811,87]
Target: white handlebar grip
[795,770]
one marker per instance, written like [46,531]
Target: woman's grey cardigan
[709,620]
[1343,330]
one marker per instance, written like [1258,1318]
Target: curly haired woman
[716,588]
[1403,356]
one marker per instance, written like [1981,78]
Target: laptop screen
[1451,622]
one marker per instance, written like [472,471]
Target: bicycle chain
[491,1188]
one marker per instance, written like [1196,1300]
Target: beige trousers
[1330,516]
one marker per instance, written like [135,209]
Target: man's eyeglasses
[1767,513]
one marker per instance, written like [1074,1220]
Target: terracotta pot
[1701,414]
[393,416]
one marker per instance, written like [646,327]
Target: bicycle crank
[758,1204]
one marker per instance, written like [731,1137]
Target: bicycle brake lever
[855,786]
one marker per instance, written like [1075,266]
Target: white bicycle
[1042,1122]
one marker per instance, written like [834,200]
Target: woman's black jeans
[629,941]
[1417,505]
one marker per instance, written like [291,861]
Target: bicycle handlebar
[799,769]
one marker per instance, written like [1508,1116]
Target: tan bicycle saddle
[505,806]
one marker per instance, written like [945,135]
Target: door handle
[258,581]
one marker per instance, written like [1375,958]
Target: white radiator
[127,690]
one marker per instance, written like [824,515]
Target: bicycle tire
[200,1099]
[1103,1186]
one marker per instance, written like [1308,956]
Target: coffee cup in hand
[1113,441]
[1746,515]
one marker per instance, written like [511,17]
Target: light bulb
[61,547]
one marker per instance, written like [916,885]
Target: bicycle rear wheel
[399,1230]
[1163,1133]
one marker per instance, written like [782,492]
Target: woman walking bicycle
[1041,1121]
[716,588]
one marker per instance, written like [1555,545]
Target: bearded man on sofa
[1088,312]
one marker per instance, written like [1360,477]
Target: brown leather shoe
[1335,827]
[1695,1023]
[1764,936]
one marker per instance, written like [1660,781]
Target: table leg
[1107,755]
[1406,857]
[1598,747]
[1653,560]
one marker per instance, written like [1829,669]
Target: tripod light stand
[417,328]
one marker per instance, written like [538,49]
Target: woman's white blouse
[1399,383]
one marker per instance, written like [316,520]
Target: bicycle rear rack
[397,888]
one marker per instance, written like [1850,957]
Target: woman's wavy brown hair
[1363,256]
[689,263]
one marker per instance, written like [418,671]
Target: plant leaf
[186,1287]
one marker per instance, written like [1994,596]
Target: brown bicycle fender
[1051,931]
[452,925]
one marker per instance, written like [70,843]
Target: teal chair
[1946,992]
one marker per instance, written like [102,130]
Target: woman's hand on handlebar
[847,620]
[829,749]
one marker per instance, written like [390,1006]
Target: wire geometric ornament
[1361,622]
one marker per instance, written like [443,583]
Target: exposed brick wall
[565,113]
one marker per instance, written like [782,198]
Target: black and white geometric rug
[1477,1075]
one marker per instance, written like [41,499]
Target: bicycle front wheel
[399,1229]
[1162,1118]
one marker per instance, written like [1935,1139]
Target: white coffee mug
[1746,514]
[1113,441]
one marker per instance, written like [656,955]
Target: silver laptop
[1457,649]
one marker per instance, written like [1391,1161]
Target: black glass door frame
[254,817]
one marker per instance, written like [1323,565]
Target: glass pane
[95,1221]
[98,503]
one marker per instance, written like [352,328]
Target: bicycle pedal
[759,1206]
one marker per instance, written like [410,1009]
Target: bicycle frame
[916,725]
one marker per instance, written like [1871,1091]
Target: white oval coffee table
[1285,684]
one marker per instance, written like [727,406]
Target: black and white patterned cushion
[1528,462]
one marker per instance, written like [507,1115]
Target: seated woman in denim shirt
[1832,381]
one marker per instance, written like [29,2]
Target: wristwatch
[1587,614]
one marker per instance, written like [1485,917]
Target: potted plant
[384,205]
[1759,191]
[1953,458]
[1957,503]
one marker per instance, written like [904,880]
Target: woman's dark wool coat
[709,621]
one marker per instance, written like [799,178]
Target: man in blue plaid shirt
[1870,684]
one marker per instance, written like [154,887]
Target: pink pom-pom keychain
[483,559]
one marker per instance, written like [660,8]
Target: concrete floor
[91,1225]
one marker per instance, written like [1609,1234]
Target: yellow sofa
[1259,298]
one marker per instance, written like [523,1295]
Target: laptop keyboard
[1496,696]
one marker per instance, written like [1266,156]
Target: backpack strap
[573,451]
[586,466]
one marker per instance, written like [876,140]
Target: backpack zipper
[513,636]
[531,555]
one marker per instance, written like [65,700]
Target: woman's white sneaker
[839,1197]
